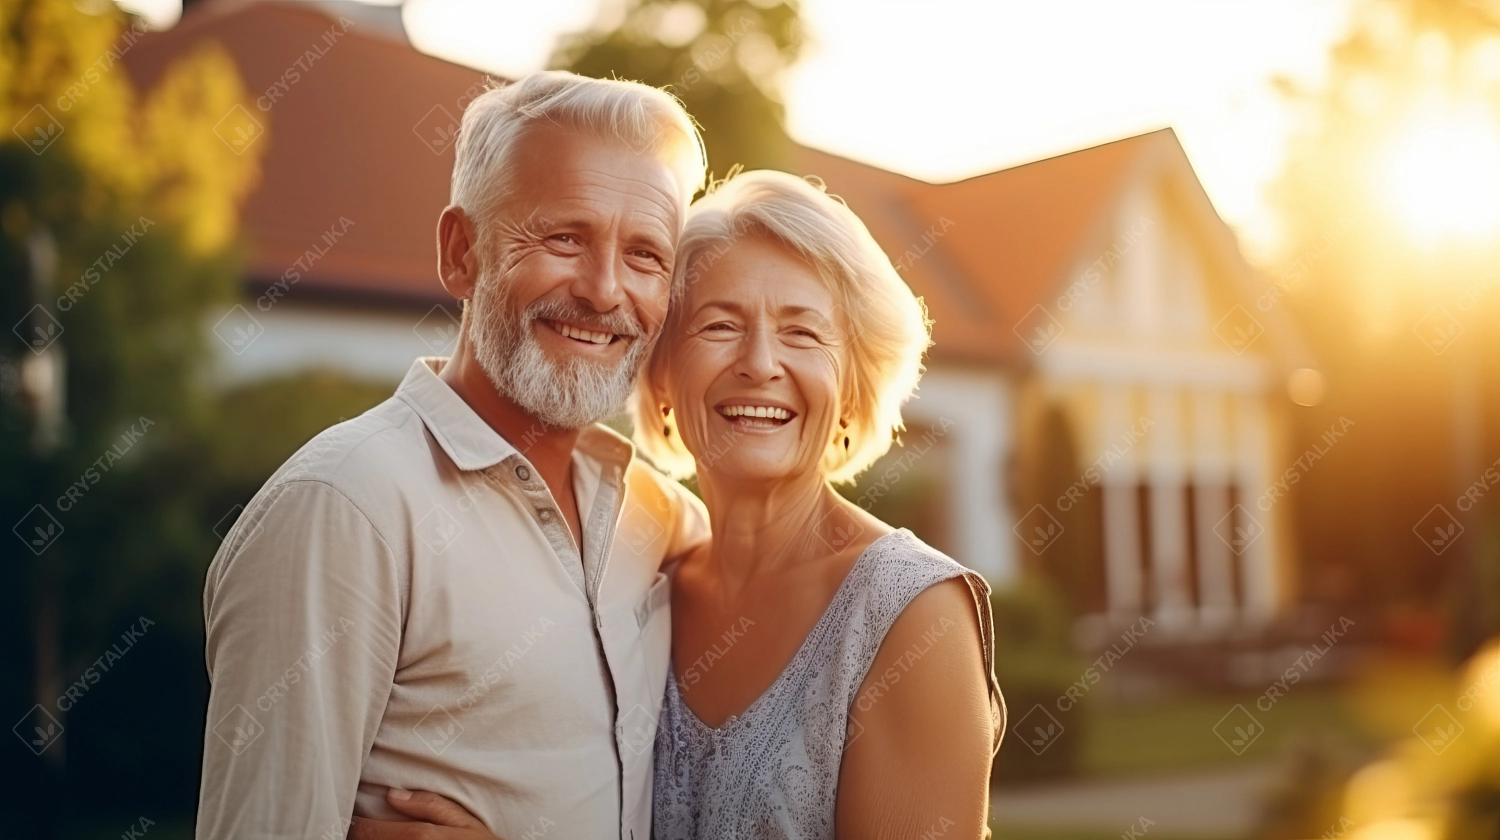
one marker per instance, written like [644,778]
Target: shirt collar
[469,441]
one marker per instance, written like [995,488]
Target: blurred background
[1213,401]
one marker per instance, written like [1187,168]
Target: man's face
[575,272]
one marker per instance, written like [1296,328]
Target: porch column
[1258,573]
[1123,584]
[1169,572]
[1211,476]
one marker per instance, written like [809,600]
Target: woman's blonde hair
[886,326]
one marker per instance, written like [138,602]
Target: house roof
[353,138]
[341,143]
[983,251]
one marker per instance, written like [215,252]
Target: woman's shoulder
[900,561]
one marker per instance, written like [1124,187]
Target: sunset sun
[1441,176]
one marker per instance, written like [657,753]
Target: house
[1095,297]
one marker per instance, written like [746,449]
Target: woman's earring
[666,429]
[846,443]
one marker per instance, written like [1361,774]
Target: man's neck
[548,448]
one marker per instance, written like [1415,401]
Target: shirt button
[523,472]
[544,514]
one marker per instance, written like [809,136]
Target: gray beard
[567,394]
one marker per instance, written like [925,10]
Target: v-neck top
[772,771]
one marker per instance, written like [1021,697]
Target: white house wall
[979,405]
[368,344]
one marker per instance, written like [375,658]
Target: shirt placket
[516,472]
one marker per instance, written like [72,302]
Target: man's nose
[599,283]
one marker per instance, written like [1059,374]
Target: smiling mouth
[756,416]
[581,335]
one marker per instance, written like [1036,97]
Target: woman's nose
[758,362]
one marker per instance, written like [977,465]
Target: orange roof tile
[983,251]
[340,144]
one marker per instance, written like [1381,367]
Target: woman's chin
[758,470]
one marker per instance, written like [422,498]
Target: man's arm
[303,610]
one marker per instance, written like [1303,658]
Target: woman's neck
[761,526]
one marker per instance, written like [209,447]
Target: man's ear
[458,258]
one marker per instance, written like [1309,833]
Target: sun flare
[1441,176]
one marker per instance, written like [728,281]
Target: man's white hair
[640,117]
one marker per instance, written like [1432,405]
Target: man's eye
[648,255]
[565,238]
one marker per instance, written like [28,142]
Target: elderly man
[458,591]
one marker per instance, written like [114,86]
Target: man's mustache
[623,324]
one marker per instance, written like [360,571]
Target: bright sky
[943,89]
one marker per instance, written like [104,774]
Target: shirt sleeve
[689,518]
[303,608]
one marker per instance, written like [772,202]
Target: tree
[117,237]
[1389,263]
[724,59]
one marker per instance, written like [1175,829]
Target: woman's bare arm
[917,759]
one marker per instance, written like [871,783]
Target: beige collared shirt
[402,605]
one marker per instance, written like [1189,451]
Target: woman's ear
[458,258]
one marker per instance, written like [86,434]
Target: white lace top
[773,770]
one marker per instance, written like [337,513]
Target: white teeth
[755,411]
[583,335]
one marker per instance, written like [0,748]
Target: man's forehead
[553,164]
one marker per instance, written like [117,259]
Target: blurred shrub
[1034,664]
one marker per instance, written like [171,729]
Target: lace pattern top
[772,771]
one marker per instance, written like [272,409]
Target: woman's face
[752,368]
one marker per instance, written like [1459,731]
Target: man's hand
[437,818]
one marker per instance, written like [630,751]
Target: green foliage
[723,58]
[138,199]
[1034,664]
[1360,282]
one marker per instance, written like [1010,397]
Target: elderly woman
[831,676]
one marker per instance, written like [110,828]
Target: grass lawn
[1178,733]
[1020,832]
